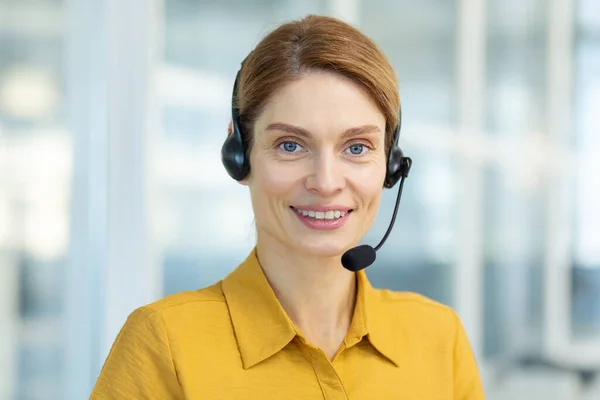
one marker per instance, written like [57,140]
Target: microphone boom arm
[389,230]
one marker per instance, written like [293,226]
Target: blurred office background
[112,195]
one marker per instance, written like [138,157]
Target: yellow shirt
[233,340]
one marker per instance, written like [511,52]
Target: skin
[325,166]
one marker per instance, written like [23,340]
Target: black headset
[234,154]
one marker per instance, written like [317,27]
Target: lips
[327,215]
[322,218]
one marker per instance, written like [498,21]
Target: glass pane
[514,194]
[192,26]
[35,168]
[514,245]
[586,251]
[516,67]
[419,37]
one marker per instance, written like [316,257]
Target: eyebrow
[348,133]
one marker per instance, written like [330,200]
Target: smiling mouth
[330,215]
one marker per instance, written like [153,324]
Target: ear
[244,182]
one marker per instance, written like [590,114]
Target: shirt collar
[262,327]
[378,318]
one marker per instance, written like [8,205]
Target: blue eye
[356,149]
[289,147]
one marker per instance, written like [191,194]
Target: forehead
[321,102]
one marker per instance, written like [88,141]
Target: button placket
[330,381]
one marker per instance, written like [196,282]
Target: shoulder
[197,298]
[207,300]
[420,313]
[140,363]
[412,302]
[174,317]
[152,325]
[180,309]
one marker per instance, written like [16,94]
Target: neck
[317,293]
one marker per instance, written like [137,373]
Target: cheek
[273,179]
[371,190]
[369,181]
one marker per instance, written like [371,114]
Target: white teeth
[333,214]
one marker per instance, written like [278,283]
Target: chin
[321,247]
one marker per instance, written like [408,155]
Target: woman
[318,110]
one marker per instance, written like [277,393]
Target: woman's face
[317,165]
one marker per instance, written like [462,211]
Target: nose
[326,177]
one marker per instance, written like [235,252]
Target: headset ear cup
[233,156]
[395,168]
[233,152]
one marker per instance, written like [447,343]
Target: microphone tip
[359,257]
